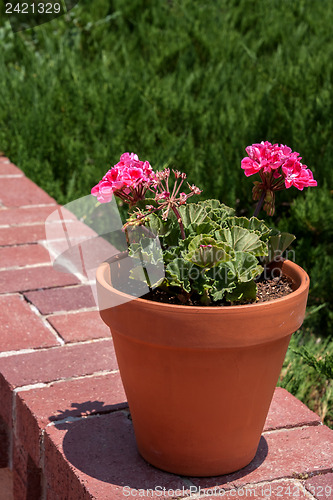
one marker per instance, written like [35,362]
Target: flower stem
[180,222]
[259,204]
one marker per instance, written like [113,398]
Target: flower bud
[269,208]
[269,197]
[257,190]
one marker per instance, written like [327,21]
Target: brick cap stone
[9,169]
[286,411]
[25,215]
[58,363]
[62,299]
[66,399]
[30,193]
[23,255]
[79,326]
[101,452]
[321,486]
[21,328]
[285,453]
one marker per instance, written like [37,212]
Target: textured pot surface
[199,380]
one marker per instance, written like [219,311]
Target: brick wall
[64,423]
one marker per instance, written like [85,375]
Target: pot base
[205,469]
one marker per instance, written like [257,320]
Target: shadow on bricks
[103,447]
[84,409]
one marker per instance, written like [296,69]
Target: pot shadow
[103,447]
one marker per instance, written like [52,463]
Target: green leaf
[211,204]
[205,251]
[243,291]
[177,274]
[217,211]
[216,205]
[223,282]
[158,226]
[201,282]
[202,228]
[147,260]
[244,267]
[147,273]
[200,239]
[208,256]
[277,244]
[193,214]
[252,224]
[171,253]
[167,230]
[242,240]
[147,249]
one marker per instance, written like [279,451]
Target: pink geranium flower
[129,179]
[103,191]
[279,168]
[298,175]
[266,157]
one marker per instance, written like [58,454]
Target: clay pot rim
[289,268]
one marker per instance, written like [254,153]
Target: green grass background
[187,84]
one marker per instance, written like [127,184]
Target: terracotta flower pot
[200,380]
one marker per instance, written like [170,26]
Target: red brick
[65,299]
[86,252]
[58,363]
[7,168]
[21,191]
[6,398]
[31,278]
[19,234]
[23,255]
[76,327]
[20,327]
[26,475]
[6,484]
[37,407]
[52,364]
[20,462]
[25,215]
[16,235]
[286,411]
[101,453]
[4,444]
[321,486]
[285,453]
[73,229]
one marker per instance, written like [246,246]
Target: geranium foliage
[208,253]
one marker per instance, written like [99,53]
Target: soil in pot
[267,289]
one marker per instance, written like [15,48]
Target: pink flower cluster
[129,179]
[296,174]
[272,161]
